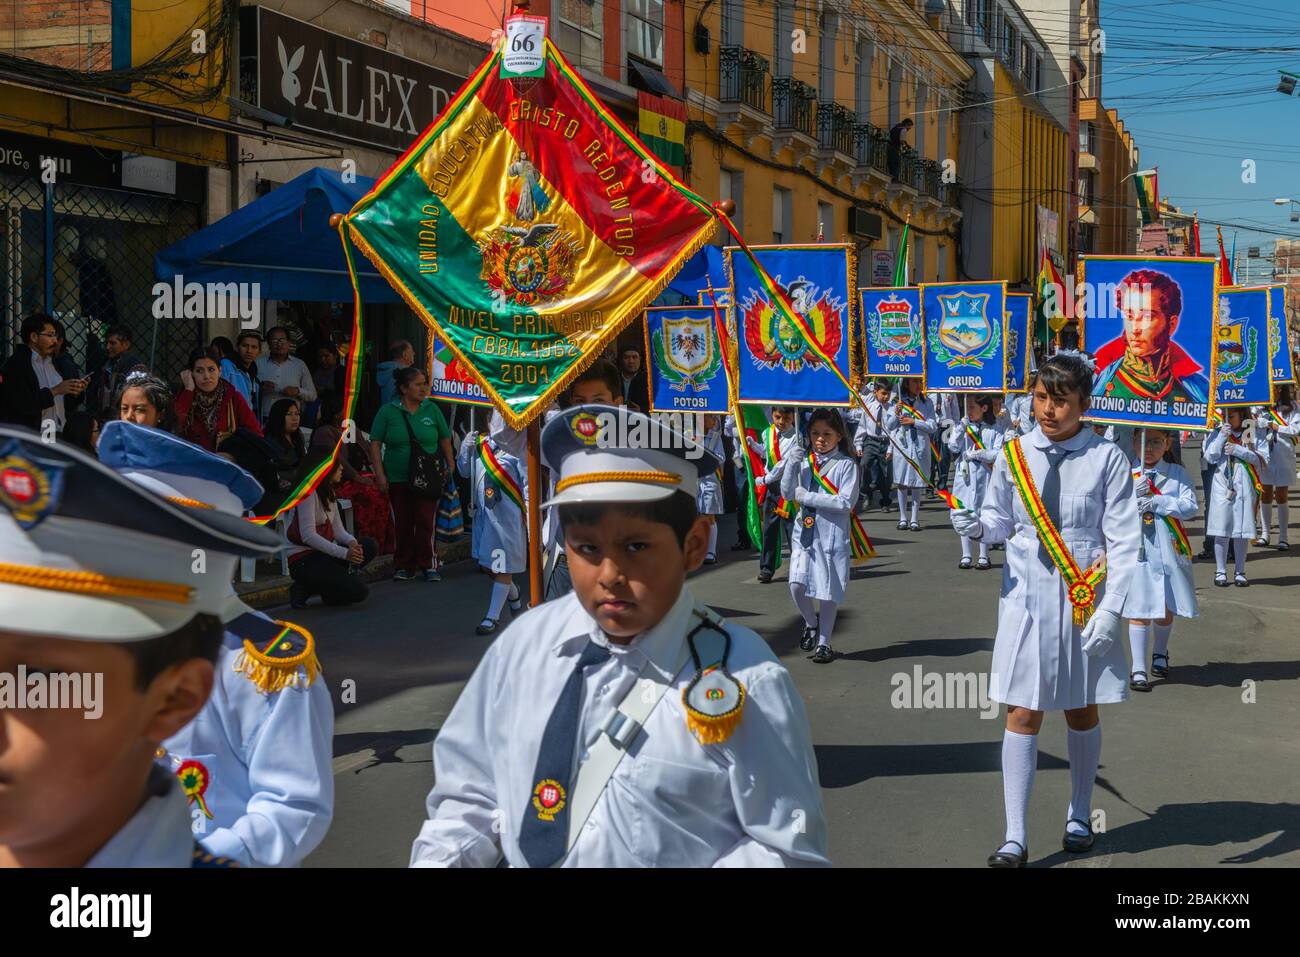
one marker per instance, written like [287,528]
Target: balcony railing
[835,127]
[793,105]
[908,170]
[949,194]
[871,146]
[743,77]
[928,177]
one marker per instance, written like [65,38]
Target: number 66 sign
[523,53]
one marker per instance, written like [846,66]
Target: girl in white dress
[1043,658]
[824,485]
[975,463]
[1235,451]
[1162,584]
[1280,425]
[911,423]
[708,501]
[499,484]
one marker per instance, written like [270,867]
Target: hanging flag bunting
[521,226]
[777,362]
[661,124]
[1151,329]
[1051,297]
[1279,338]
[891,320]
[1148,194]
[964,343]
[1243,376]
[1020,339]
[684,359]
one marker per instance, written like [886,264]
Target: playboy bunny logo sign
[290,85]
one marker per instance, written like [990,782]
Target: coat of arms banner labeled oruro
[527,226]
[964,336]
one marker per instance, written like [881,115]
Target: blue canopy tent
[699,269]
[284,242]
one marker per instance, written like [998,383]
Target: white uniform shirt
[158,835]
[869,426]
[1231,509]
[752,800]
[914,440]
[291,372]
[1281,446]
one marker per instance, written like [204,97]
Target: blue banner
[1244,377]
[891,321]
[964,336]
[1149,323]
[684,361]
[1020,340]
[449,380]
[776,365]
[1279,337]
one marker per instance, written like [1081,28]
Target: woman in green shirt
[413,515]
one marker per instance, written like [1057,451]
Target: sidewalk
[270,588]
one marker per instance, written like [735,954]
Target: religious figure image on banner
[686,373]
[1243,375]
[1150,326]
[1020,340]
[776,363]
[1279,338]
[891,319]
[964,342]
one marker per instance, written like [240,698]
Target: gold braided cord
[659,478]
[191,502]
[92,583]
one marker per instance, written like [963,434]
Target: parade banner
[776,363]
[1020,340]
[721,296]
[685,360]
[449,380]
[1279,338]
[964,343]
[1244,377]
[527,226]
[1150,325]
[891,320]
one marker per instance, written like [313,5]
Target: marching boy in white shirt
[625,724]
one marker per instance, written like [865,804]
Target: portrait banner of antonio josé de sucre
[1149,324]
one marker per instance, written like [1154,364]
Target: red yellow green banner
[521,226]
[661,124]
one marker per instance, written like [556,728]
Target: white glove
[1144,504]
[1161,505]
[755,446]
[966,523]
[1099,633]
[971,455]
[801,495]
[1236,451]
[471,439]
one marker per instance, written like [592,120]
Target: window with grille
[579,32]
[645,30]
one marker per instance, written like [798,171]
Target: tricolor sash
[1176,530]
[974,435]
[859,541]
[498,475]
[773,442]
[1276,419]
[1080,585]
[908,409]
[1250,469]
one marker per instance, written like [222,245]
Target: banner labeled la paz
[523,229]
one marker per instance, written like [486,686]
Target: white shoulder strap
[619,731]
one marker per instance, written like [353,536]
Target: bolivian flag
[662,126]
[520,226]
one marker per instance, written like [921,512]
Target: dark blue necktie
[544,834]
[1052,498]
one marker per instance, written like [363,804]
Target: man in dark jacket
[31,388]
[894,154]
[105,380]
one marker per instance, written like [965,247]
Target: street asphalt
[1203,771]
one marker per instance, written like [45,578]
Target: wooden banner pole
[535,492]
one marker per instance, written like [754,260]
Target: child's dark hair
[677,511]
[783,409]
[1062,375]
[833,419]
[988,418]
[602,370]
[200,638]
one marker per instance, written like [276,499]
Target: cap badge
[30,491]
[586,428]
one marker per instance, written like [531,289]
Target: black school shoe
[1077,843]
[1001,858]
[1221,581]
[1160,670]
[764,578]
[823,654]
[809,640]
[1139,684]
[1241,581]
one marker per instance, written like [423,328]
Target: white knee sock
[513,594]
[826,623]
[902,514]
[498,600]
[1019,759]
[1221,555]
[799,592]
[1268,520]
[713,539]
[1283,519]
[1162,638]
[1138,641]
[1239,546]
[984,549]
[966,546]
[1085,755]
[916,506]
